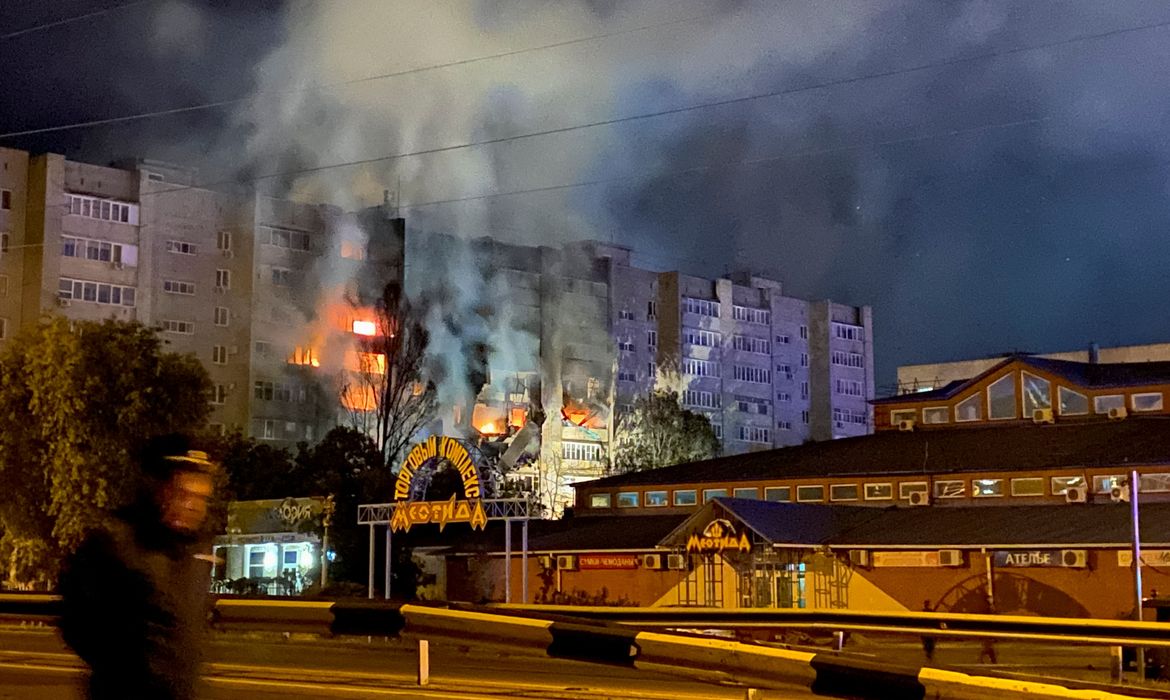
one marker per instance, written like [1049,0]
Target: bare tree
[385,389]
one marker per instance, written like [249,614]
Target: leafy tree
[80,400]
[658,432]
[254,469]
[389,396]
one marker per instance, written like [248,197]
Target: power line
[679,110]
[355,81]
[70,20]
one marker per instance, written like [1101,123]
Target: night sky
[982,195]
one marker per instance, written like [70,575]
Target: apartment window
[657,499]
[181,247]
[804,417]
[627,499]
[651,310]
[847,332]
[1147,402]
[755,375]
[750,404]
[852,387]
[626,376]
[750,315]
[626,345]
[1104,404]
[223,240]
[1061,484]
[847,416]
[702,307]
[219,354]
[879,492]
[751,494]
[222,316]
[908,487]
[1072,403]
[700,368]
[263,348]
[708,494]
[716,428]
[103,209]
[100,251]
[626,315]
[804,332]
[783,339]
[285,238]
[701,399]
[843,492]
[751,433]
[219,394]
[804,359]
[3,286]
[1028,486]
[98,292]
[804,390]
[179,287]
[778,494]
[706,339]
[984,488]
[3,328]
[264,391]
[783,396]
[685,497]
[223,279]
[810,494]
[937,414]
[282,276]
[217,429]
[847,359]
[783,425]
[1106,484]
[5,199]
[652,339]
[1001,398]
[180,327]
[950,489]
[267,429]
[749,344]
[3,243]
[581,451]
[651,370]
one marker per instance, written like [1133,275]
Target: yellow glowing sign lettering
[718,537]
[407,514]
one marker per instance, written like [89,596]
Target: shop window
[708,494]
[983,488]
[897,417]
[256,563]
[1147,402]
[290,558]
[627,499]
[1001,398]
[908,487]
[1153,483]
[1105,484]
[843,492]
[1104,404]
[937,414]
[1072,403]
[879,492]
[1061,484]
[685,497]
[1037,394]
[778,494]
[1028,486]
[656,499]
[950,489]
[969,409]
[810,494]
[752,493]
[600,500]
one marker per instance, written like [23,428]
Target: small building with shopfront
[270,546]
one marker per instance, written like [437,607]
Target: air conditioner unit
[1118,413]
[545,561]
[919,498]
[676,562]
[1043,415]
[566,562]
[651,561]
[1074,558]
[1119,493]
[906,425]
[950,557]
[1076,494]
[859,557]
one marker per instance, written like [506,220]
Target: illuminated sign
[408,513]
[718,537]
[1028,558]
[906,559]
[1150,557]
[607,561]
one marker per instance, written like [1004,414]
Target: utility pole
[1137,567]
[326,520]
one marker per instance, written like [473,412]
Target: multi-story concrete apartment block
[234,279]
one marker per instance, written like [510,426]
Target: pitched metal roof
[1137,440]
